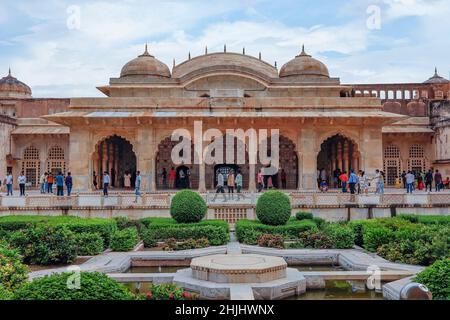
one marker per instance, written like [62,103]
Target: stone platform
[249,268]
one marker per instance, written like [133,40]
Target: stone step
[241,292]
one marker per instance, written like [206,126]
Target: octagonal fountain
[241,276]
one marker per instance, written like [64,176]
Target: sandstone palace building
[323,123]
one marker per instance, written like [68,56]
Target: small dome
[436,79]
[305,66]
[145,65]
[10,87]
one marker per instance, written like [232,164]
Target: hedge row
[399,240]
[249,231]
[161,229]
[104,227]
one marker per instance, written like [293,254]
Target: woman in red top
[344,179]
[172,177]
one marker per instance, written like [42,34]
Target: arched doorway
[115,155]
[337,153]
[31,165]
[392,164]
[56,161]
[164,163]
[287,176]
[230,150]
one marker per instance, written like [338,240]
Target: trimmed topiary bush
[304,215]
[45,245]
[125,223]
[437,279]
[273,208]
[124,240]
[188,207]
[12,271]
[93,286]
[88,244]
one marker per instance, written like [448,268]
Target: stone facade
[322,123]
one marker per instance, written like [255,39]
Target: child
[323,186]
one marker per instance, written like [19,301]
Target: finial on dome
[276,66]
[189,56]
[303,49]
[260,55]
[435,71]
[146,53]
[9,72]
[224,48]
[243,50]
[173,62]
[206,49]
[303,53]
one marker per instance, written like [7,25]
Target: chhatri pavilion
[323,124]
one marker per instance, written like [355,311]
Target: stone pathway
[234,247]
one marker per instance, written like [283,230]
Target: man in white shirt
[22,180]
[220,187]
[410,179]
[9,182]
[106,182]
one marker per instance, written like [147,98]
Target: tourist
[429,180]
[420,179]
[127,181]
[323,186]
[352,181]
[410,178]
[269,182]
[22,180]
[50,181]
[336,175]
[238,182]
[283,179]
[230,182]
[188,178]
[42,182]
[106,181]
[172,177]
[69,183]
[323,175]
[438,180]
[260,181]
[343,178]
[9,182]
[182,179]
[137,186]
[59,184]
[404,179]
[358,184]
[94,180]
[164,178]
[446,183]
[364,183]
[220,187]
[376,181]
[398,182]
[381,182]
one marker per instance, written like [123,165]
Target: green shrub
[273,208]
[249,231]
[173,245]
[304,215]
[125,223]
[271,241]
[440,220]
[4,294]
[313,239]
[341,236]
[188,207]
[88,244]
[124,240]
[160,229]
[374,237]
[437,279]
[105,227]
[319,222]
[45,245]
[12,272]
[93,286]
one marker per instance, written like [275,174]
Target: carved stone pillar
[339,156]
[346,156]
[252,177]
[202,177]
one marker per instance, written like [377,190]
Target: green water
[340,290]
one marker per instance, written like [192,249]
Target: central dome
[145,65]
[304,66]
[225,62]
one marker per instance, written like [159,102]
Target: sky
[66,48]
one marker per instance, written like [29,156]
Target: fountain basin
[229,268]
